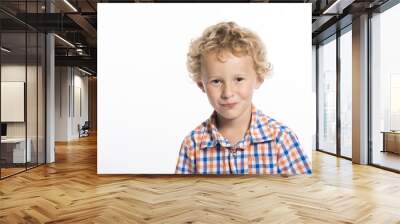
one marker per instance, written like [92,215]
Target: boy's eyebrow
[213,76]
[209,76]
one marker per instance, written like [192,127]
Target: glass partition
[13,105]
[33,63]
[32,95]
[41,85]
[22,77]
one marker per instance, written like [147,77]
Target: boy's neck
[240,124]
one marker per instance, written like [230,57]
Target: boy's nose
[227,92]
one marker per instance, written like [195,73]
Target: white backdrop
[147,103]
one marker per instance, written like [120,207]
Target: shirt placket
[233,160]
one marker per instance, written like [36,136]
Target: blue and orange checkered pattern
[268,147]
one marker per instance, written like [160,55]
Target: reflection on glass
[346,94]
[327,96]
[386,88]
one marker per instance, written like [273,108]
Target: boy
[228,62]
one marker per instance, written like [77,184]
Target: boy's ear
[201,86]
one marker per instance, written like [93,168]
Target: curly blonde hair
[227,36]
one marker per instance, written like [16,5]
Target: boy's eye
[239,79]
[215,82]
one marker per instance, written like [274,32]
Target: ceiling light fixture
[70,5]
[86,72]
[337,7]
[5,49]
[65,41]
[79,51]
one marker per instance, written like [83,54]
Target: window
[346,93]
[385,88]
[327,96]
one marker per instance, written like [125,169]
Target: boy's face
[229,85]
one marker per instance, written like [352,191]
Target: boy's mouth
[229,105]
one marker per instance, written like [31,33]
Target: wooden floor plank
[70,191]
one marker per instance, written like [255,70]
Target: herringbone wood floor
[70,191]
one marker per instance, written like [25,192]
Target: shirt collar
[259,131]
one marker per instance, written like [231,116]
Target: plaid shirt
[268,147]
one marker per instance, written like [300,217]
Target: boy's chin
[228,115]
